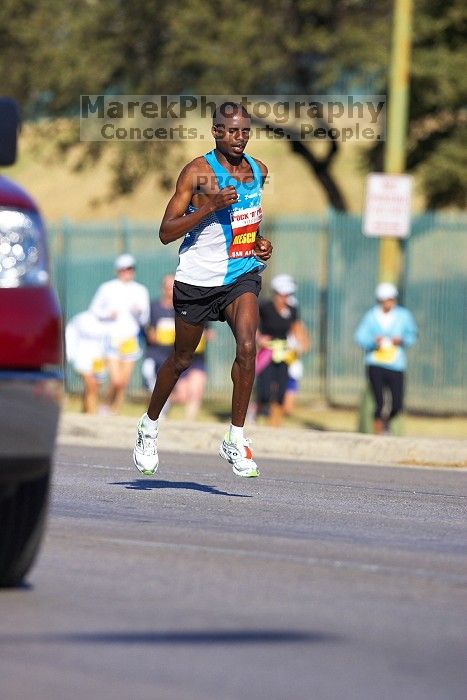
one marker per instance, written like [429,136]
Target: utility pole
[390,250]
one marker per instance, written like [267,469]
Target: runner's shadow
[234,637]
[150,484]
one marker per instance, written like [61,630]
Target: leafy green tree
[73,47]
[437,147]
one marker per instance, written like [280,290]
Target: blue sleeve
[410,332]
[364,335]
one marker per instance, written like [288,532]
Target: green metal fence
[435,291]
[433,288]
[335,268]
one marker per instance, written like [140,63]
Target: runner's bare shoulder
[195,172]
[262,167]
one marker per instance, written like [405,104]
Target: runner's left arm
[263,247]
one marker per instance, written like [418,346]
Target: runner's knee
[246,351]
[182,361]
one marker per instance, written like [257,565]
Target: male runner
[216,209]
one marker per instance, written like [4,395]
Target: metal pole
[390,250]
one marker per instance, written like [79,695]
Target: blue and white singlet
[220,248]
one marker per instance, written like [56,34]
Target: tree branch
[319,166]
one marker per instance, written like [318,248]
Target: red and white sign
[387,205]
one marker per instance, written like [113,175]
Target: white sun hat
[386,290]
[124,261]
[283,284]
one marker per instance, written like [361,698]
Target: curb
[293,444]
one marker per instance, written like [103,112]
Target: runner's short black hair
[226,110]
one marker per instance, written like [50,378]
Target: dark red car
[30,367]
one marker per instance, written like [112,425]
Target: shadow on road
[226,637]
[149,484]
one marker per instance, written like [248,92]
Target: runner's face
[232,134]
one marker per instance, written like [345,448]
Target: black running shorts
[198,305]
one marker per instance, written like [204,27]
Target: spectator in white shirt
[85,345]
[123,306]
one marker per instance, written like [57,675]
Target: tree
[437,140]
[71,47]
[438,117]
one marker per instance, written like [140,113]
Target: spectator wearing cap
[123,307]
[384,333]
[281,339]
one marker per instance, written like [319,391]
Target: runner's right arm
[175,222]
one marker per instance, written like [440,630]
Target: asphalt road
[316,581]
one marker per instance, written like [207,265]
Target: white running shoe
[239,456]
[145,454]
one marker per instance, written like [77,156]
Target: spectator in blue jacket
[384,333]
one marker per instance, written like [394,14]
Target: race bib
[385,356]
[165,331]
[98,366]
[279,349]
[245,224]
[128,347]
